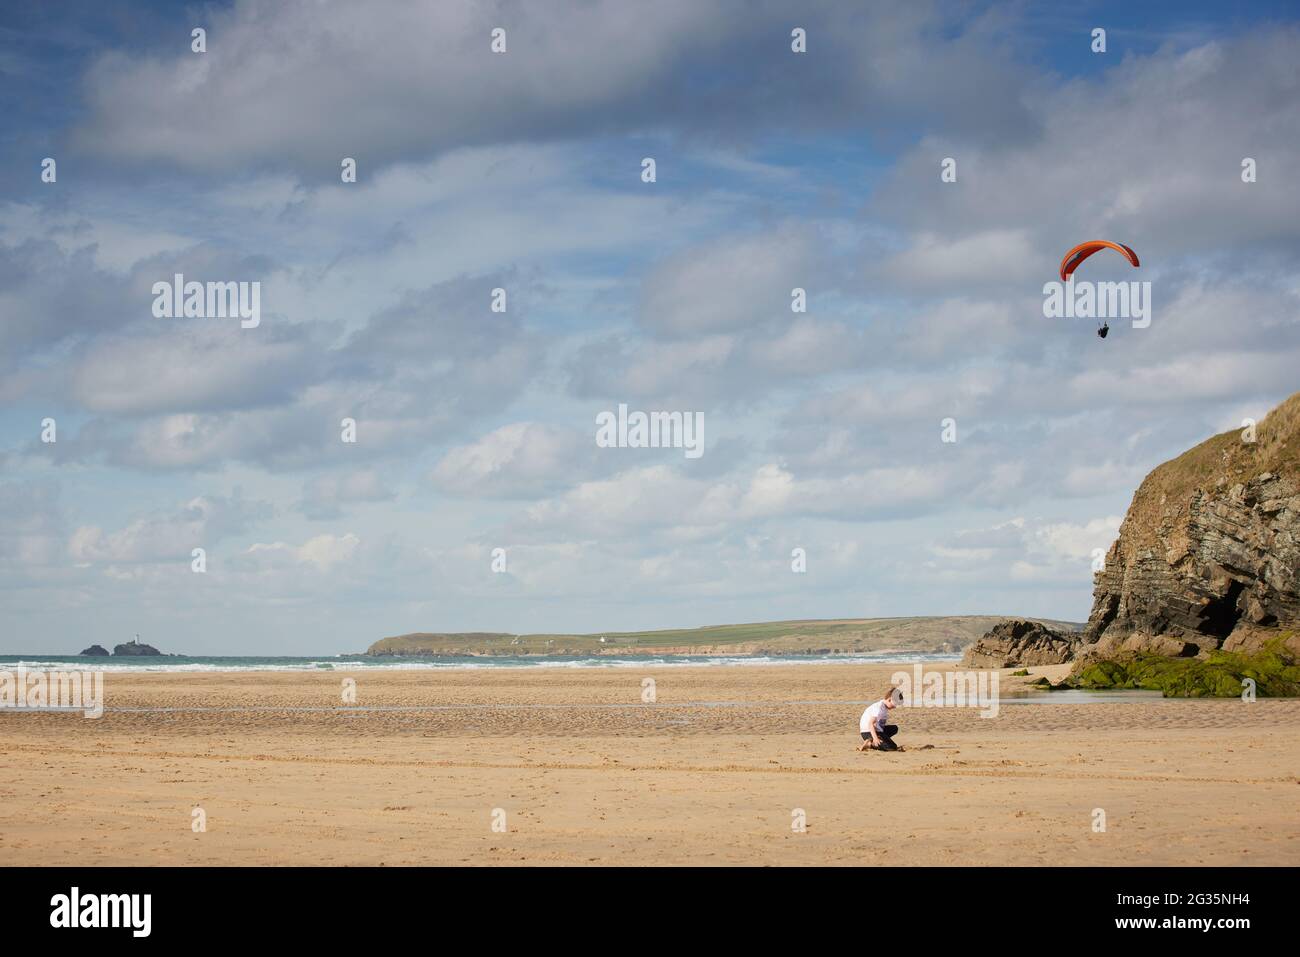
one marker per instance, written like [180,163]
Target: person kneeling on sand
[876,734]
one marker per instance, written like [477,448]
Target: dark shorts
[886,735]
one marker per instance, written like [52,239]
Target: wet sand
[719,769]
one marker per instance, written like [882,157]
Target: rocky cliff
[1208,555]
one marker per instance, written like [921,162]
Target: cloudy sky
[475,429]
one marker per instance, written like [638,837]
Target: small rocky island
[135,648]
[128,649]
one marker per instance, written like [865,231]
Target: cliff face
[1208,555]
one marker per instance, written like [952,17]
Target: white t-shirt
[876,713]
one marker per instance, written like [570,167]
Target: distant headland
[920,635]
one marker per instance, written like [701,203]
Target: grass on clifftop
[1219,675]
[1170,486]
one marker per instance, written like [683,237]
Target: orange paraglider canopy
[1082,251]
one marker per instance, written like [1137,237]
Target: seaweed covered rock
[1219,674]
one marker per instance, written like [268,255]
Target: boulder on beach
[1017,642]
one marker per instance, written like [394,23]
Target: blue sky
[522,171]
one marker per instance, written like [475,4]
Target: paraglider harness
[1103,329]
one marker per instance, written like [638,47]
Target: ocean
[182,663]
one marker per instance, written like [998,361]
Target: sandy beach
[580,770]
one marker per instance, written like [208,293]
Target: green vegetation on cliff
[832,636]
[1220,461]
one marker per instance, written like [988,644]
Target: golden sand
[718,770]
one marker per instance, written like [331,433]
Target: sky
[476,429]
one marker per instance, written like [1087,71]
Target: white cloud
[520,460]
[324,496]
[323,552]
[1030,550]
[1008,254]
[166,536]
[740,282]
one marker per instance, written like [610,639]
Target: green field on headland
[931,635]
